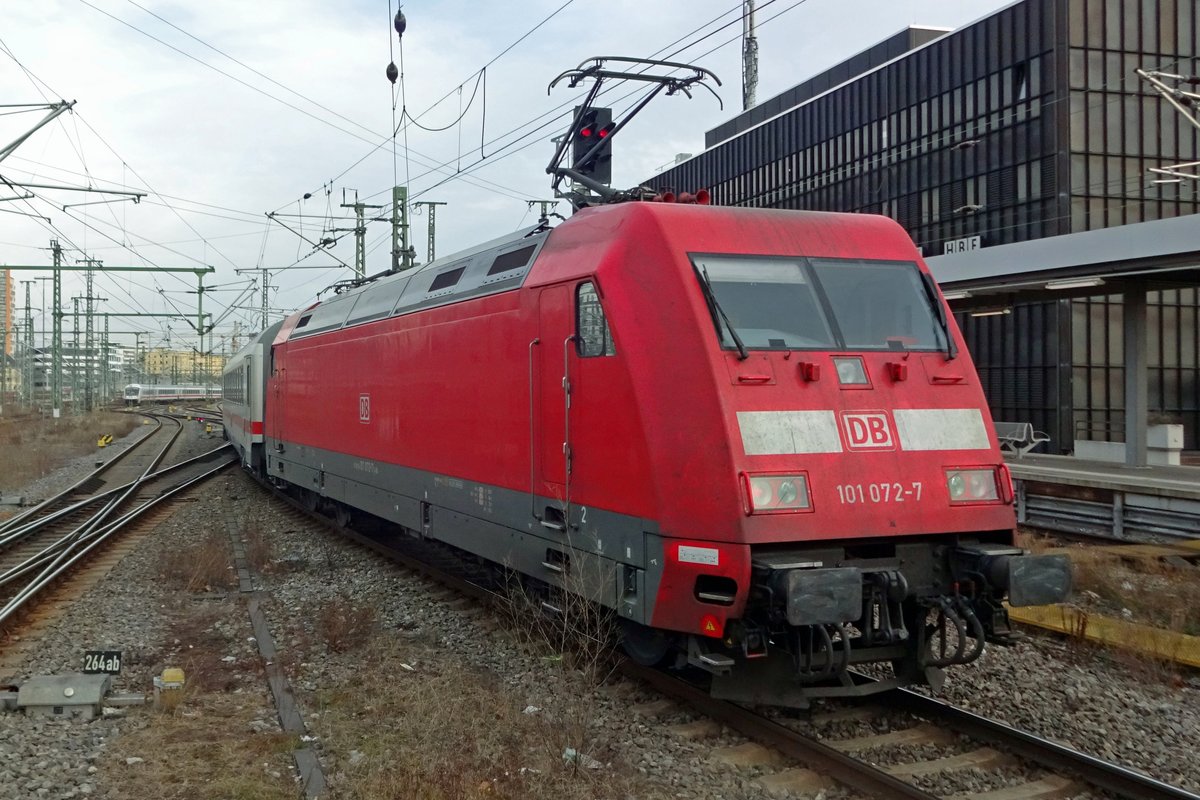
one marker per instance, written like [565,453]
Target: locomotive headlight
[972,485]
[761,493]
[768,494]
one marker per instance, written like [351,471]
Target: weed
[575,637]
[1137,588]
[203,566]
[344,625]
[210,752]
[454,733]
[260,552]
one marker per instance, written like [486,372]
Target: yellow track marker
[1142,639]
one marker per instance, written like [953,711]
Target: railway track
[117,470]
[60,536]
[987,747]
[958,739]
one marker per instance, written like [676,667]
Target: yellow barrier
[105,440]
[1143,639]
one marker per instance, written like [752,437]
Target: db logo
[868,431]
[364,408]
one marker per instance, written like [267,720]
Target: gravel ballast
[1078,697]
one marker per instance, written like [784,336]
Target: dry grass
[202,649]
[35,447]
[260,551]
[575,640]
[205,750]
[203,566]
[1146,590]
[206,747]
[345,625]
[453,733]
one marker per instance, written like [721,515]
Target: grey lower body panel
[600,554]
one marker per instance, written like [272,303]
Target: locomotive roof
[489,268]
[503,264]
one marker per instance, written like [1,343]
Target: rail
[1114,778]
[836,764]
[16,519]
[59,556]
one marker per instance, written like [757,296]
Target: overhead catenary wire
[38,83]
[318,118]
[384,141]
[556,120]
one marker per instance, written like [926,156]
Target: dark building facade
[1031,122]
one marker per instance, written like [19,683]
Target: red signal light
[603,133]
[585,132]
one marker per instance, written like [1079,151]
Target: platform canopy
[1161,254]
[1128,260]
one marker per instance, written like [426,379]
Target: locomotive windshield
[829,304]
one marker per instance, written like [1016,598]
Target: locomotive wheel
[342,514]
[646,646]
[311,500]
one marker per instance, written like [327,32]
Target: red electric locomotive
[754,435]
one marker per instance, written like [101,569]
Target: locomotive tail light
[973,485]
[774,494]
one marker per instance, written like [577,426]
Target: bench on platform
[1018,438]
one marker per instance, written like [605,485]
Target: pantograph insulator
[392,72]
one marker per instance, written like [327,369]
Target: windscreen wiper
[939,307]
[711,297]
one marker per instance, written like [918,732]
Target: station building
[1027,124]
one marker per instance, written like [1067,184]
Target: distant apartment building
[6,310]
[182,365]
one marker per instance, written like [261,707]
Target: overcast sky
[224,110]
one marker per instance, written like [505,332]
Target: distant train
[141,394]
[754,435]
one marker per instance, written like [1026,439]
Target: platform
[1099,498]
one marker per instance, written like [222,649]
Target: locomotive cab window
[593,336]
[772,303]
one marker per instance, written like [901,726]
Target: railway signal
[591,148]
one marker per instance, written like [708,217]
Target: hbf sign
[963,245]
[867,430]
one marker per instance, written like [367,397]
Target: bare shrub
[202,566]
[345,625]
[260,551]
[575,638]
